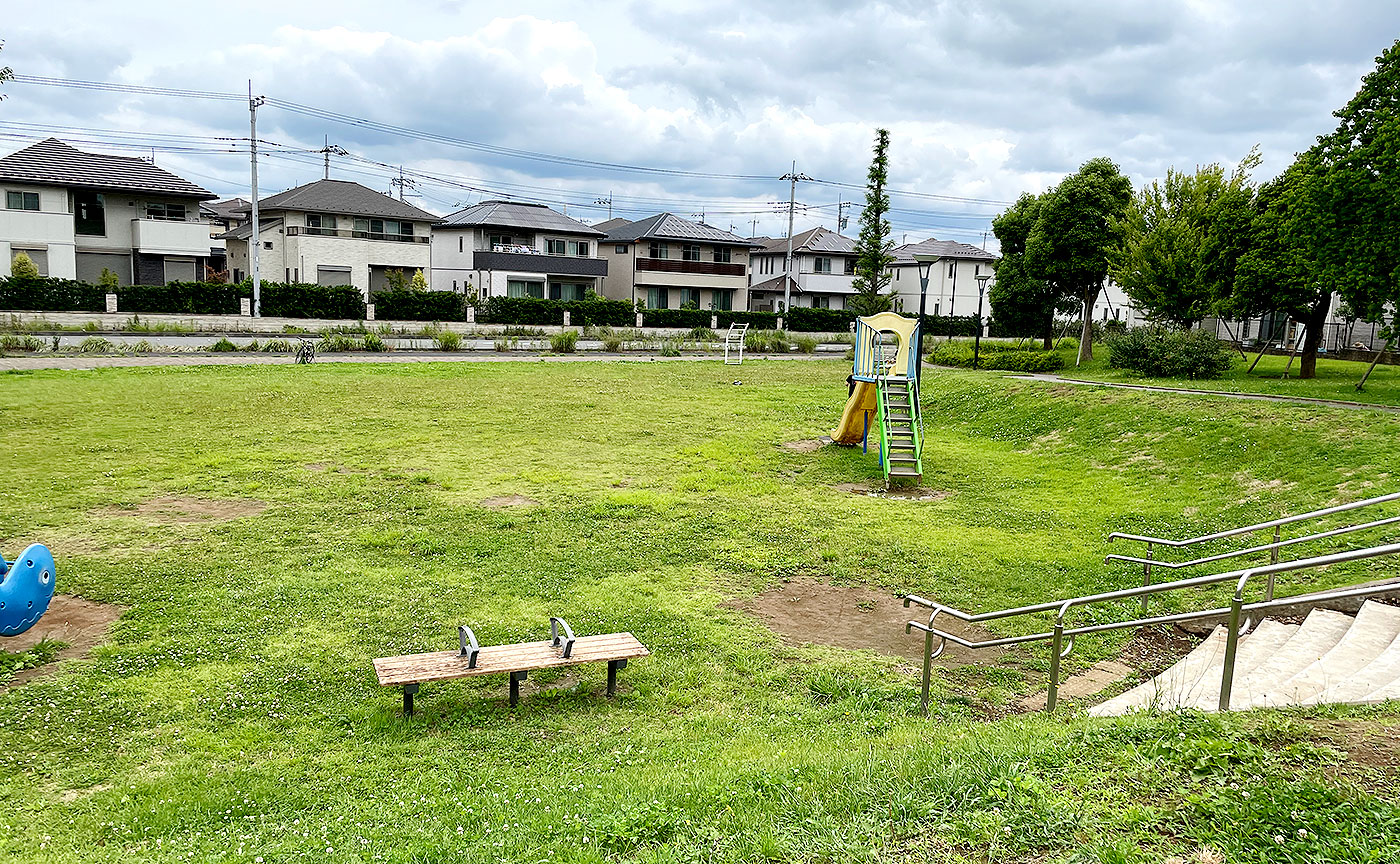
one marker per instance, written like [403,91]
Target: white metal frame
[734,340]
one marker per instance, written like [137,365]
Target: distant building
[76,214]
[666,262]
[952,284]
[334,232]
[510,249]
[823,267]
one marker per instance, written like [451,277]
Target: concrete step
[1180,685]
[1319,633]
[1372,631]
[1375,676]
[1255,647]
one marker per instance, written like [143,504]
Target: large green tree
[1079,224]
[1182,238]
[1022,303]
[873,255]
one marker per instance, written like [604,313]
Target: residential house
[952,283]
[76,214]
[510,249]
[334,232]
[823,267]
[667,262]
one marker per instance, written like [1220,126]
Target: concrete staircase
[1329,658]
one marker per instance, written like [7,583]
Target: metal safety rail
[1059,649]
[1149,561]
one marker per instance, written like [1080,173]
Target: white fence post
[369,311]
[111,304]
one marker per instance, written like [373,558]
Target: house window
[690,253]
[722,255]
[168,212]
[821,265]
[267,244]
[22,200]
[377,229]
[976,269]
[724,299]
[556,247]
[567,291]
[521,288]
[660,250]
[499,240]
[320,223]
[850,266]
[658,298]
[690,298]
[578,248]
[821,301]
[89,213]
[460,241]
[620,249]
[897,271]
[950,269]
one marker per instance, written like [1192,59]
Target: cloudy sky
[697,107]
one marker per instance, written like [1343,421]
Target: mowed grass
[234,714]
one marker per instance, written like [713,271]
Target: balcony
[533,262]
[707,268]
[308,231]
[170,237]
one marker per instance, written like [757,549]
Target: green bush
[278,346]
[671,348]
[1159,352]
[296,300]
[805,344]
[410,305]
[374,342]
[95,345]
[564,342]
[300,300]
[804,320]
[189,298]
[612,343]
[764,341]
[701,334]
[338,343]
[1001,357]
[23,267]
[223,345]
[51,295]
[16,342]
[448,340]
[594,311]
[107,280]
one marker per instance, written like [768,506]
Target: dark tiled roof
[344,196]
[233,208]
[53,163]
[668,226]
[943,249]
[816,240]
[512,214]
[776,284]
[609,224]
[244,231]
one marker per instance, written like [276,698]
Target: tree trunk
[1086,333]
[1049,334]
[1312,337]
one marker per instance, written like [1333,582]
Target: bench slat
[499,659]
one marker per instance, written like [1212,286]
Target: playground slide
[26,586]
[860,409]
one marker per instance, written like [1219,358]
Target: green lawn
[234,714]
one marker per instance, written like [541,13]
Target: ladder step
[909,473]
[903,457]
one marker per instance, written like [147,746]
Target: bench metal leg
[613,666]
[408,691]
[515,679]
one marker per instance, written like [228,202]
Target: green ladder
[901,430]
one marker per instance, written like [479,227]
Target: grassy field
[234,715]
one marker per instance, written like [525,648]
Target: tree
[418,282]
[1022,303]
[23,267]
[1079,224]
[108,279]
[873,258]
[1182,238]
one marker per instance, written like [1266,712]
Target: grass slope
[234,715]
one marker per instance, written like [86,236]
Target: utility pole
[254,239]
[841,215]
[607,201]
[326,152]
[792,177]
[402,181]
[753,228]
[700,216]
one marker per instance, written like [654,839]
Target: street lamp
[981,292]
[925,263]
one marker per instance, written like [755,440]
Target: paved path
[84,362]
[1255,397]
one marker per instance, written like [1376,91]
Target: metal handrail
[1057,635]
[1276,523]
[1177,565]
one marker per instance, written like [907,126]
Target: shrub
[374,342]
[253,347]
[805,344]
[300,300]
[223,345]
[594,311]
[15,342]
[95,345]
[763,341]
[564,342]
[191,298]
[51,295]
[420,306]
[23,267]
[337,343]
[612,343]
[805,320]
[278,346]
[448,340]
[107,280]
[997,357]
[142,347]
[671,348]
[702,334]
[419,282]
[1159,352]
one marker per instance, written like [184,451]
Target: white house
[667,262]
[510,249]
[823,267]
[334,232]
[76,214]
[952,283]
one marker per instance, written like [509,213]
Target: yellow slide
[860,408]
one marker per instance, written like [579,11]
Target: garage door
[332,276]
[91,264]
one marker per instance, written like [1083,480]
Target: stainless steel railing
[1059,649]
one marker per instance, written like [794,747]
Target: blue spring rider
[26,587]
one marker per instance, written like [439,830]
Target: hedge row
[280,299]
[419,306]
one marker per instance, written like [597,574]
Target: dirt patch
[915,493]
[810,445]
[185,510]
[805,611]
[83,624]
[1370,743]
[501,502]
[1092,680]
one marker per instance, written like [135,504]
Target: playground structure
[885,385]
[26,587]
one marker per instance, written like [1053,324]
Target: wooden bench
[562,649]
